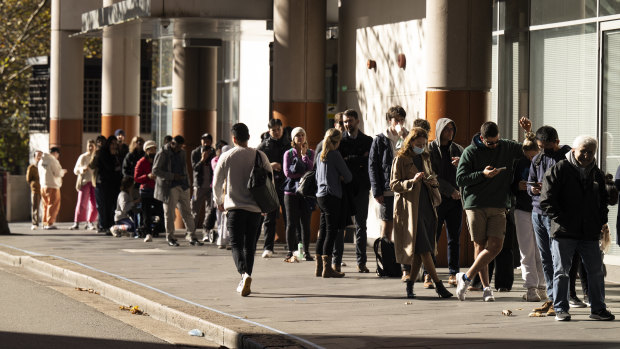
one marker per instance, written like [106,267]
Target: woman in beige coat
[416,194]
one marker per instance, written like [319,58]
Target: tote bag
[262,188]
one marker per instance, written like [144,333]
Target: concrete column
[66,104]
[120,79]
[194,93]
[299,65]
[458,46]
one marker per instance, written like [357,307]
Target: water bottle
[300,250]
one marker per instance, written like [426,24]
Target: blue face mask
[418,150]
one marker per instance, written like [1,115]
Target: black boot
[441,290]
[409,289]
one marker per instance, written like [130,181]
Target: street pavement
[290,307]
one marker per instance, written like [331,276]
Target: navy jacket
[380,165]
[540,164]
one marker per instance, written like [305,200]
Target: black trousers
[108,194]
[297,221]
[152,208]
[269,223]
[331,210]
[243,227]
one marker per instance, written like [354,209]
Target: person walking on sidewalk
[485,174]
[32,177]
[574,197]
[172,188]
[51,174]
[203,178]
[297,161]
[355,149]
[416,197]
[445,156]
[86,207]
[330,172]
[243,214]
[274,146]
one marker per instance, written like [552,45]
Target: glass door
[610,112]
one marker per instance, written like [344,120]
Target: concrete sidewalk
[194,287]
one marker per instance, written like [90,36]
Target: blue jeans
[563,251]
[542,226]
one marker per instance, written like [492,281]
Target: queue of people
[555,197]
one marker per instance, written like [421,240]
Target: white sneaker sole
[245,291]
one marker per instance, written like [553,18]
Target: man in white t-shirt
[242,213]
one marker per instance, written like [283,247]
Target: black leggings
[297,219]
[330,217]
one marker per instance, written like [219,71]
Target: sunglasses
[491,143]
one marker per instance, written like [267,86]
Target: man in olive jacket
[485,175]
[172,188]
[575,198]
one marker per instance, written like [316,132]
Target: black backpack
[386,258]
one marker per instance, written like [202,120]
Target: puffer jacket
[577,206]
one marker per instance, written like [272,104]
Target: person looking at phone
[445,156]
[486,196]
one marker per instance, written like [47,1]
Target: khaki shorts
[485,222]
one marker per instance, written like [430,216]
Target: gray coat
[162,169]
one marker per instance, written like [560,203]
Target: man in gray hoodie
[445,156]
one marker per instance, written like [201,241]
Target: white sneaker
[247,281]
[461,286]
[34,227]
[75,226]
[531,295]
[90,226]
[148,238]
[116,232]
[487,295]
[240,286]
[50,227]
[267,253]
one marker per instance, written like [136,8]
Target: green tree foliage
[25,33]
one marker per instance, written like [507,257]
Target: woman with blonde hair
[86,207]
[331,170]
[417,195]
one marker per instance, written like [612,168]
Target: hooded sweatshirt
[441,159]
[50,172]
[477,190]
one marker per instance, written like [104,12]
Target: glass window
[494,77]
[610,113]
[552,11]
[609,7]
[563,80]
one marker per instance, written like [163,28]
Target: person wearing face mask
[382,151]
[415,200]
[144,176]
[86,207]
[574,197]
[552,152]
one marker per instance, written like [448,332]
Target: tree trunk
[4,225]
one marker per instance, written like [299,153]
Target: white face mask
[398,128]
[418,150]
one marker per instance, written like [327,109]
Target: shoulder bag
[262,188]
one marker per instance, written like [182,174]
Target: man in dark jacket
[203,176]
[552,152]
[485,174]
[274,147]
[382,152]
[445,155]
[354,148]
[575,199]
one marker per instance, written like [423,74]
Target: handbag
[78,182]
[262,188]
[307,185]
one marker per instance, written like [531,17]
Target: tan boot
[318,272]
[328,272]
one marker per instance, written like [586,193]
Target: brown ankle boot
[318,272]
[328,272]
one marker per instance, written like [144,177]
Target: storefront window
[609,7]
